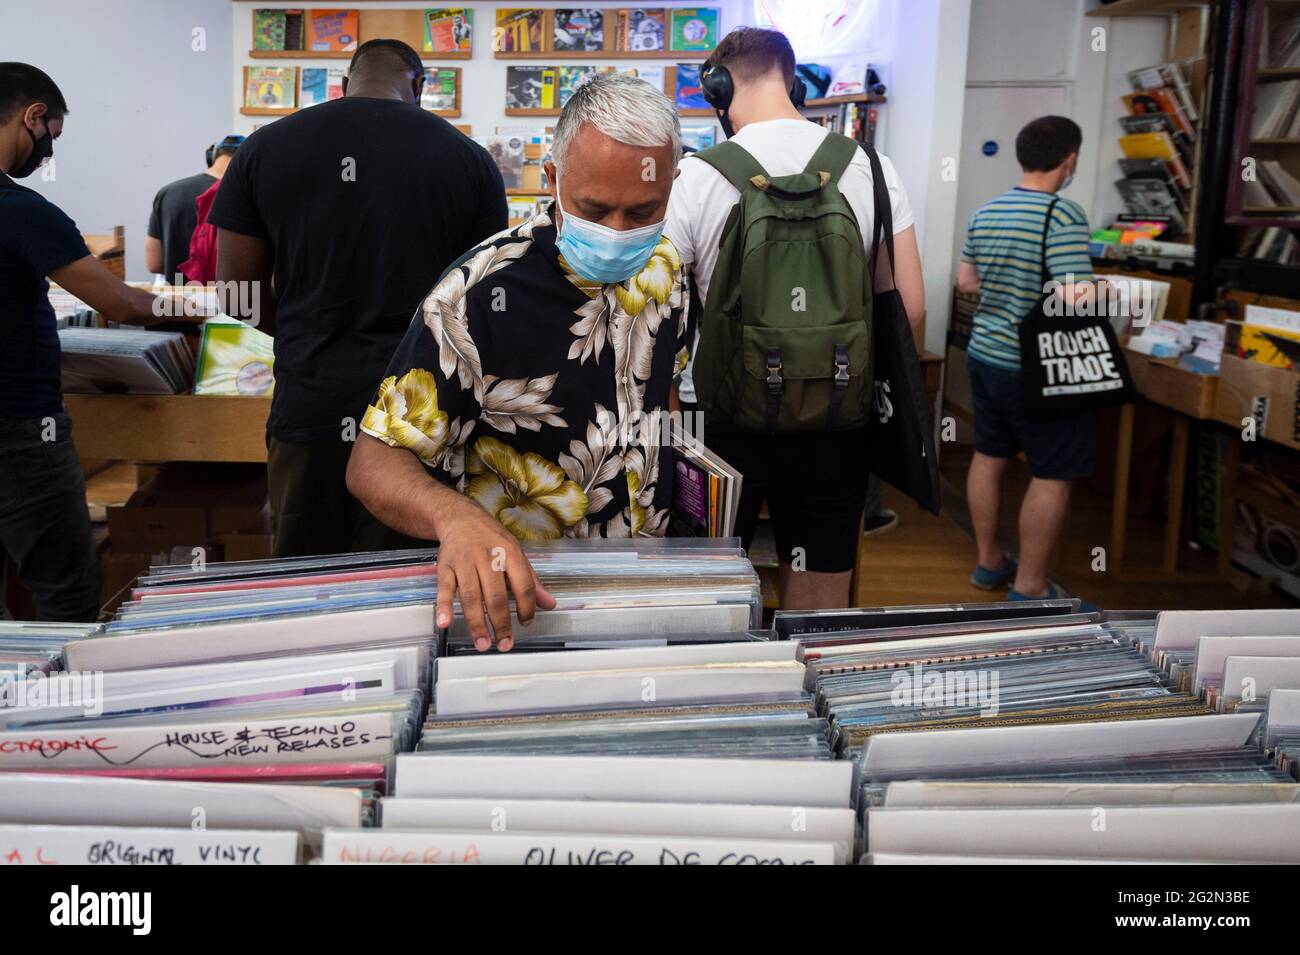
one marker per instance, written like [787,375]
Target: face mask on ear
[42,149]
[601,254]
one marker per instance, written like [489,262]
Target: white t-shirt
[702,198]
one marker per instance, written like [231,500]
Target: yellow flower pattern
[406,413]
[530,496]
[655,281]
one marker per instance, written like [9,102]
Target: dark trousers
[44,523]
[311,509]
[873,497]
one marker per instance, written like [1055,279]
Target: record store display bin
[311,708]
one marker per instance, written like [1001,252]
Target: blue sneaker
[986,579]
[1053,594]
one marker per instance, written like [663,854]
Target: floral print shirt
[539,394]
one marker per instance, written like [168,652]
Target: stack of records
[1228,656]
[1063,738]
[123,361]
[608,593]
[956,668]
[1190,789]
[718,700]
[27,647]
[309,714]
[1282,731]
[607,810]
[276,693]
[641,590]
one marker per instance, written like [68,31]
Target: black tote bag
[900,431]
[1069,364]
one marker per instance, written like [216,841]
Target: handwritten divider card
[571,816]
[355,737]
[112,845]
[369,846]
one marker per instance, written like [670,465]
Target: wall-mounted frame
[277,90]
[409,26]
[547,49]
[548,76]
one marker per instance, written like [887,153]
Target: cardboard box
[151,530]
[246,546]
[190,506]
[1162,382]
[1270,395]
[118,570]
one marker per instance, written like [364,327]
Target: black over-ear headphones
[229,142]
[718,89]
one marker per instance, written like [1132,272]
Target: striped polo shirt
[1004,243]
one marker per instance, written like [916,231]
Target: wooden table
[1191,398]
[156,428]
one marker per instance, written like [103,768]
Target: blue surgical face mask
[601,254]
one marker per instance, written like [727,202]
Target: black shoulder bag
[900,431]
[1070,363]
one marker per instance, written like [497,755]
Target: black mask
[42,149]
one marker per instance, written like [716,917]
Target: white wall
[1019,44]
[1031,42]
[926,99]
[144,101]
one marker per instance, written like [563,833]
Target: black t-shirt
[365,202]
[174,217]
[36,238]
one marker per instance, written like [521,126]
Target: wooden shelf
[561,55]
[169,427]
[1144,8]
[821,101]
[331,55]
[1275,141]
[1271,210]
[1276,74]
[260,111]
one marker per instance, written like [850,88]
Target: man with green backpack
[777,225]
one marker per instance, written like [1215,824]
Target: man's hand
[477,556]
[89,280]
[483,561]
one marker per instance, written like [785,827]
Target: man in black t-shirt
[356,206]
[174,215]
[44,524]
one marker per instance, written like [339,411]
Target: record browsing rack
[314,712]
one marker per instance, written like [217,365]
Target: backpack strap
[737,166]
[832,156]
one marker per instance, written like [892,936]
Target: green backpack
[785,344]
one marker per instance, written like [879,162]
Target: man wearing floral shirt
[525,401]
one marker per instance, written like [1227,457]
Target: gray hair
[625,108]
